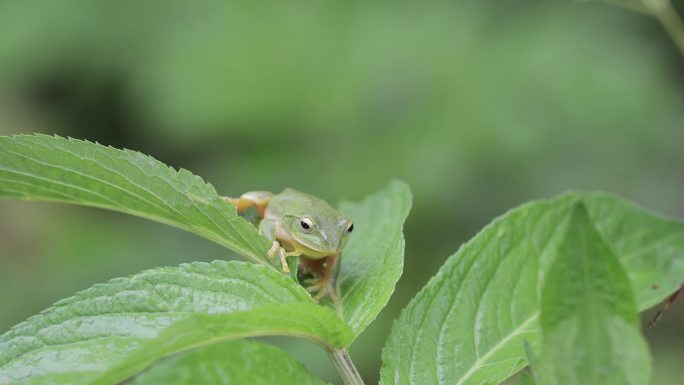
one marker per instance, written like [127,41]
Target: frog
[304,226]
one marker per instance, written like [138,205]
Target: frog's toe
[274,249]
[283,260]
[325,290]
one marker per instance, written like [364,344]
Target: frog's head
[319,236]
[317,229]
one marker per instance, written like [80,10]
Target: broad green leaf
[41,167]
[373,261]
[304,320]
[112,331]
[589,320]
[467,326]
[233,362]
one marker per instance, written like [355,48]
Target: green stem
[669,18]
[633,5]
[345,366]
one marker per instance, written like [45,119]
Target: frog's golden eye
[350,227]
[306,224]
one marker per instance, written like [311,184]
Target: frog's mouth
[309,251]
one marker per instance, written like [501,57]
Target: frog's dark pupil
[304,225]
[351,228]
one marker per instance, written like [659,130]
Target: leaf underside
[232,362]
[467,326]
[41,167]
[112,331]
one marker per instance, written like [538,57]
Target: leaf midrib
[202,231]
[515,332]
[480,361]
[211,234]
[93,178]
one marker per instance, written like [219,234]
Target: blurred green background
[479,106]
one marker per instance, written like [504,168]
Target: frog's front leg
[268,228]
[256,199]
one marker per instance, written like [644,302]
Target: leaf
[531,375]
[111,331]
[373,260]
[233,362]
[527,379]
[468,323]
[589,320]
[618,354]
[41,167]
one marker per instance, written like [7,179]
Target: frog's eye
[306,224]
[350,227]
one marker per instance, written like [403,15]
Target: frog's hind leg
[256,199]
[323,283]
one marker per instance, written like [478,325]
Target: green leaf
[373,260]
[40,167]
[467,325]
[232,362]
[530,376]
[605,351]
[527,379]
[111,331]
[588,317]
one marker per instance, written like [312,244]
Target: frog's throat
[308,251]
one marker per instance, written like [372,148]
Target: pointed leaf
[41,167]
[373,260]
[588,317]
[467,326]
[233,362]
[112,331]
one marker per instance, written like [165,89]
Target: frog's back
[294,202]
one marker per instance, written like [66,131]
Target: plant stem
[667,15]
[632,5]
[345,366]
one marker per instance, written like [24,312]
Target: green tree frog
[301,225]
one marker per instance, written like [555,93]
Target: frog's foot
[274,249]
[256,199]
[318,286]
[277,248]
[323,281]
[283,260]
[322,287]
[332,293]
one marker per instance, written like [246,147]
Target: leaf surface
[112,331]
[589,318]
[468,324]
[232,362]
[41,167]
[373,260]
